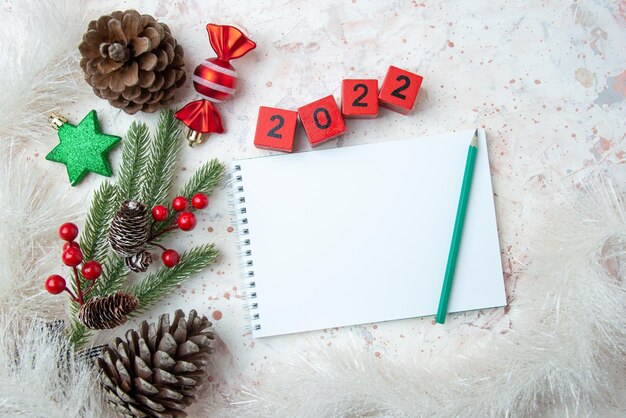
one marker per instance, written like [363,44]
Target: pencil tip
[474,142]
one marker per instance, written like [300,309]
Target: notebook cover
[361,234]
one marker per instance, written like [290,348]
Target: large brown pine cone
[157,370]
[132,61]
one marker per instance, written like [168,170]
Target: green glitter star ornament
[82,148]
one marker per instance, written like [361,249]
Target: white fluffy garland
[34,379]
[39,64]
[39,75]
[29,247]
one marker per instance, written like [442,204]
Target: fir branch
[134,159]
[93,238]
[156,285]
[159,172]
[203,180]
[78,333]
[145,174]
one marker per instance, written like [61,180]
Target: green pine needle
[159,172]
[134,159]
[204,179]
[156,285]
[79,334]
[93,242]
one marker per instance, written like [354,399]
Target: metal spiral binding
[240,223]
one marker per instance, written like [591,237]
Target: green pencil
[458,229]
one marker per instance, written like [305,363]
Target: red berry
[68,231]
[170,258]
[186,221]
[180,203]
[69,244]
[200,201]
[72,257]
[91,270]
[160,213]
[55,284]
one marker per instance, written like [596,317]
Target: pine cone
[132,61]
[128,233]
[107,312]
[156,371]
[139,262]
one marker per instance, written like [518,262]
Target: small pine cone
[107,312]
[129,229]
[139,262]
[157,370]
[132,61]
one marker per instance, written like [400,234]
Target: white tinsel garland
[38,378]
[39,75]
[39,64]
[29,247]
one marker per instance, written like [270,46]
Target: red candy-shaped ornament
[215,80]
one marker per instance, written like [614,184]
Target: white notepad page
[361,234]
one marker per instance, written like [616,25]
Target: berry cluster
[185,221]
[73,257]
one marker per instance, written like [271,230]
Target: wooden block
[275,129]
[359,98]
[322,120]
[399,90]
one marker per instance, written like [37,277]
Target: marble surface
[547,80]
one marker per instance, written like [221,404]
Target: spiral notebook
[360,234]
